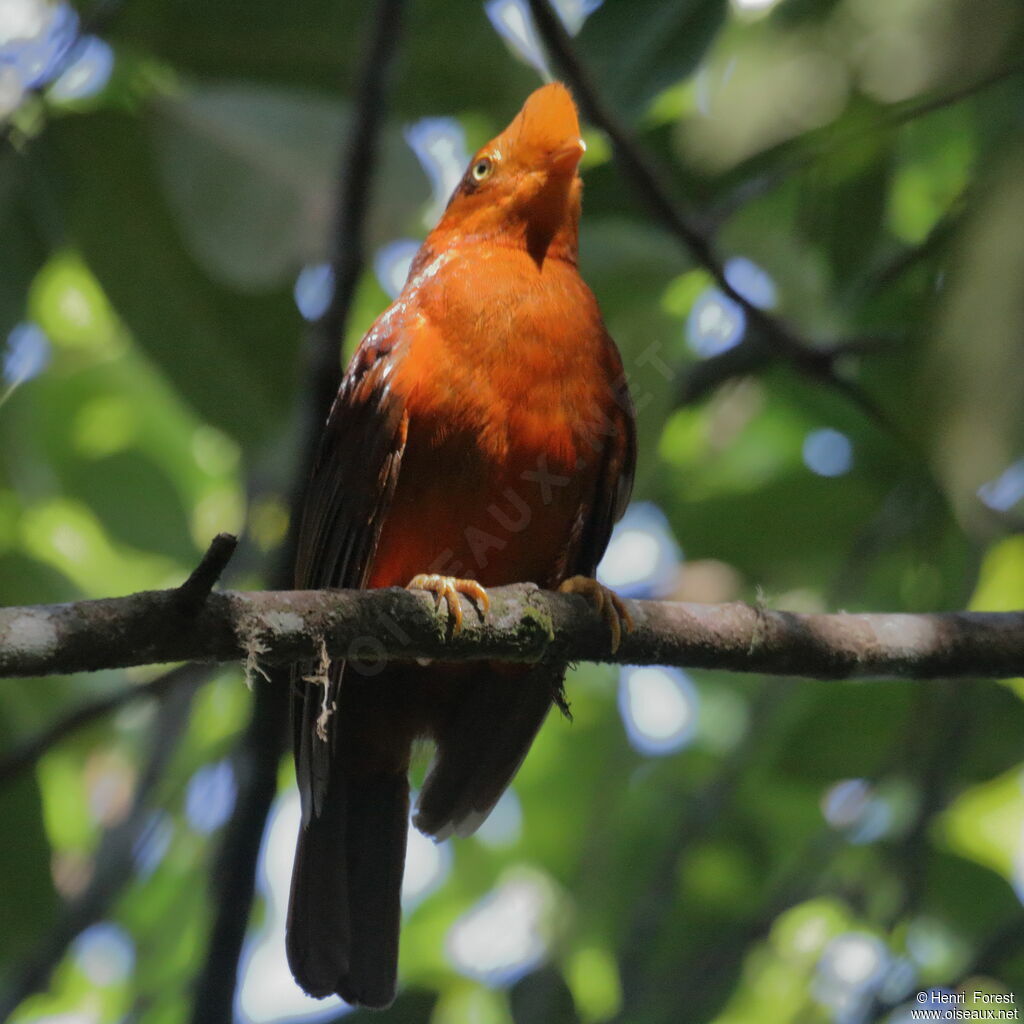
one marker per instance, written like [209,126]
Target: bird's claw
[449,588]
[606,603]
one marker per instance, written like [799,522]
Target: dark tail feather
[318,934]
[345,908]
[482,745]
[379,826]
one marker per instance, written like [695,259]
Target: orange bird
[483,434]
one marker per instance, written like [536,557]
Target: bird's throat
[552,221]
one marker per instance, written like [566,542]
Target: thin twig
[196,589]
[636,164]
[904,261]
[752,354]
[709,976]
[702,988]
[913,110]
[940,725]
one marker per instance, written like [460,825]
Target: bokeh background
[694,846]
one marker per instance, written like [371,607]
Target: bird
[483,434]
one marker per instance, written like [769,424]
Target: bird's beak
[566,158]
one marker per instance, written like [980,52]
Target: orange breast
[506,376]
[458,514]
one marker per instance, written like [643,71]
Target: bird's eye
[482,168]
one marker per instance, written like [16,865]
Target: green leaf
[985,823]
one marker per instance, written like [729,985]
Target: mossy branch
[524,625]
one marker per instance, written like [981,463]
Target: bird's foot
[449,588]
[606,603]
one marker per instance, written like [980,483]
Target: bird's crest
[546,124]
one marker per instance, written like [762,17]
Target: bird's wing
[612,489]
[347,499]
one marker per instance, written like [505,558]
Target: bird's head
[523,186]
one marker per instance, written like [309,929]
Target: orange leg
[606,603]
[449,588]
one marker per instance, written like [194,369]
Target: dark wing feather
[354,473]
[343,913]
[346,501]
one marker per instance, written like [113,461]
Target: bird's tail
[345,910]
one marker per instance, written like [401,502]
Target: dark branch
[196,589]
[914,109]
[905,261]
[523,625]
[752,355]
[233,879]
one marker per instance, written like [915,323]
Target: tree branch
[187,599]
[523,625]
[196,589]
[636,164]
[753,354]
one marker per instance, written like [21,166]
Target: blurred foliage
[807,852]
